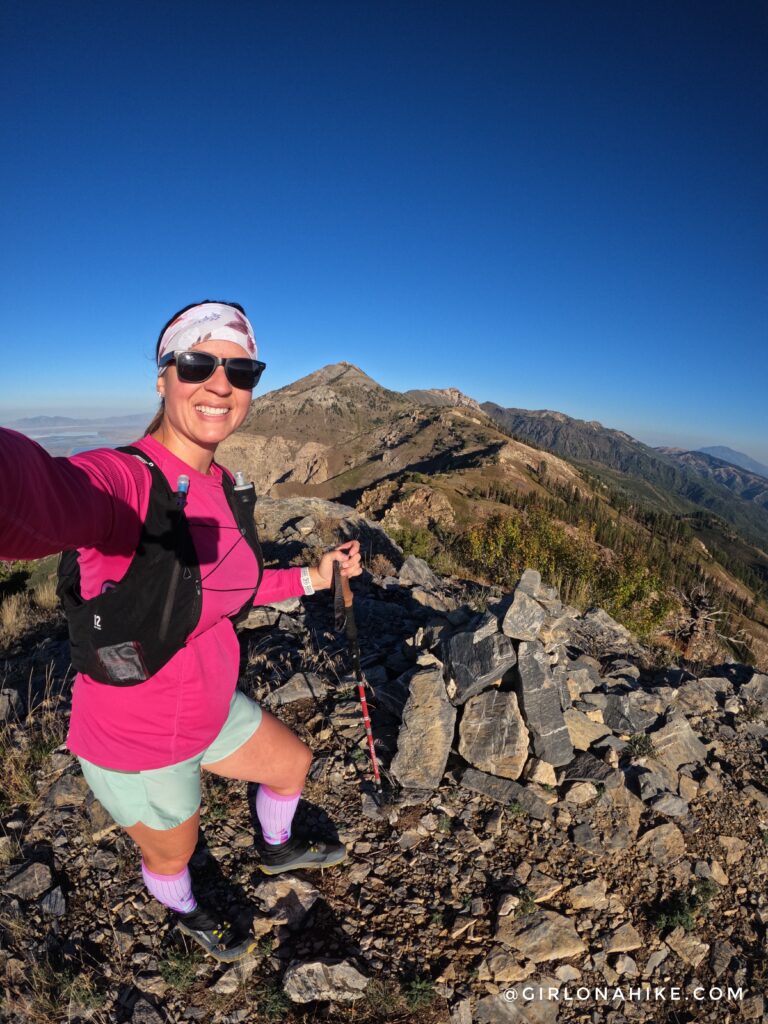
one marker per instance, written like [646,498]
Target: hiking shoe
[216,936]
[300,853]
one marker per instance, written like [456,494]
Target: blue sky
[549,205]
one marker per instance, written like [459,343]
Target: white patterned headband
[208,321]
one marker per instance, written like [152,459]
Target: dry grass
[15,926]
[14,616]
[25,747]
[10,847]
[317,659]
[17,785]
[53,994]
[381,566]
[45,595]
[330,531]
[327,535]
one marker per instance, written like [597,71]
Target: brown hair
[158,417]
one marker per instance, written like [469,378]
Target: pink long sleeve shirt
[96,502]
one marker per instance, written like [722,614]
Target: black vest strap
[126,634]
[242,501]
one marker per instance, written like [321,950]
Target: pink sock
[275,813]
[175,891]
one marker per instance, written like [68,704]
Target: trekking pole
[345,619]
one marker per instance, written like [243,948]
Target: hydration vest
[128,632]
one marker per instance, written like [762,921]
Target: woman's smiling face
[200,416]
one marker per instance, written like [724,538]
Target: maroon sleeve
[49,504]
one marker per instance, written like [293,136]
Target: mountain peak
[331,404]
[333,374]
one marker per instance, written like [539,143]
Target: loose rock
[689,948]
[473,664]
[676,743]
[541,936]
[339,982]
[30,883]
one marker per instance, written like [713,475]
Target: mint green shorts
[163,798]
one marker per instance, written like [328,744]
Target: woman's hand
[347,554]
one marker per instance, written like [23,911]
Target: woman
[155,708]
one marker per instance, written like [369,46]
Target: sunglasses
[195,367]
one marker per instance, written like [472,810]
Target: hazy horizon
[652,436]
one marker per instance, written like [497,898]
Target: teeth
[211,410]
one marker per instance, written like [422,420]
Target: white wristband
[306,580]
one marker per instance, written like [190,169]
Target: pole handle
[346,590]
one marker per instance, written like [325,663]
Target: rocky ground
[569,832]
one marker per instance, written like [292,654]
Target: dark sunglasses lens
[244,373]
[194,367]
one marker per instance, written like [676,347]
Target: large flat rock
[585,767]
[30,883]
[474,661]
[542,935]
[529,1007]
[664,844]
[756,688]
[676,743]
[506,791]
[426,732]
[324,980]
[524,617]
[301,686]
[631,712]
[492,734]
[583,731]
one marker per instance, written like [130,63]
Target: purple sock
[275,813]
[175,891]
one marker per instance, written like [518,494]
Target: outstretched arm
[48,504]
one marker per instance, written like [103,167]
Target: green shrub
[502,546]
[683,908]
[640,745]
[415,540]
[420,993]
[271,1003]
[179,968]
[527,903]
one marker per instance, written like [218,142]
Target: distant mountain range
[67,435]
[737,459]
[668,478]
[337,432]
[38,423]
[748,486]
